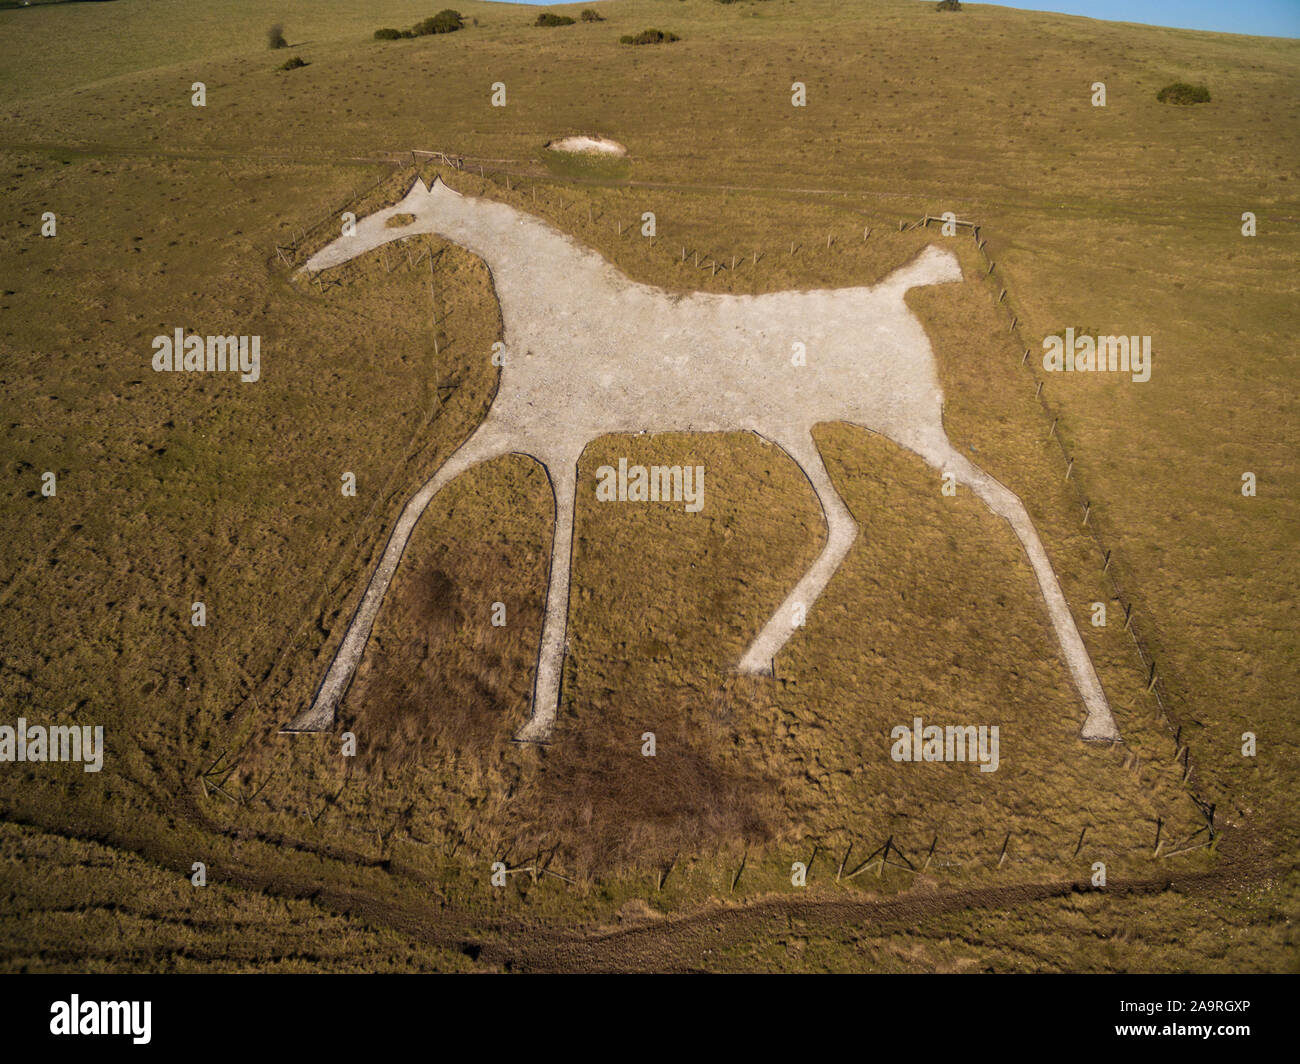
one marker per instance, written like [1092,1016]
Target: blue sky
[1265,18]
[1268,18]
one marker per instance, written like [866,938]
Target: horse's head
[933,265]
[432,208]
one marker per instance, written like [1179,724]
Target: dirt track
[685,944]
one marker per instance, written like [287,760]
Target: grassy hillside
[178,488]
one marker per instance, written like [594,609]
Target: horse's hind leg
[550,656]
[487,442]
[1100,723]
[842,530]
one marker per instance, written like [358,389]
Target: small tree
[445,21]
[948,5]
[275,37]
[588,15]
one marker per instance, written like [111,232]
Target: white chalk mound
[589,144]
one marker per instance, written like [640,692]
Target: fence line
[295,245]
[456,162]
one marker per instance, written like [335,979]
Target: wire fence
[847,856]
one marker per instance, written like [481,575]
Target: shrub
[294,63]
[588,15]
[445,21]
[1181,92]
[546,18]
[649,37]
[275,37]
[948,5]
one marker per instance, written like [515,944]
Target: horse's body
[589,352]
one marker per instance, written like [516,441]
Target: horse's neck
[516,244]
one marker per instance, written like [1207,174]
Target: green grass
[1125,217]
[586,166]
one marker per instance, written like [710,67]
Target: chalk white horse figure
[589,352]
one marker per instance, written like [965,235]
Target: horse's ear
[439,185]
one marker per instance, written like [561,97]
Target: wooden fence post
[736,878]
[933,843]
